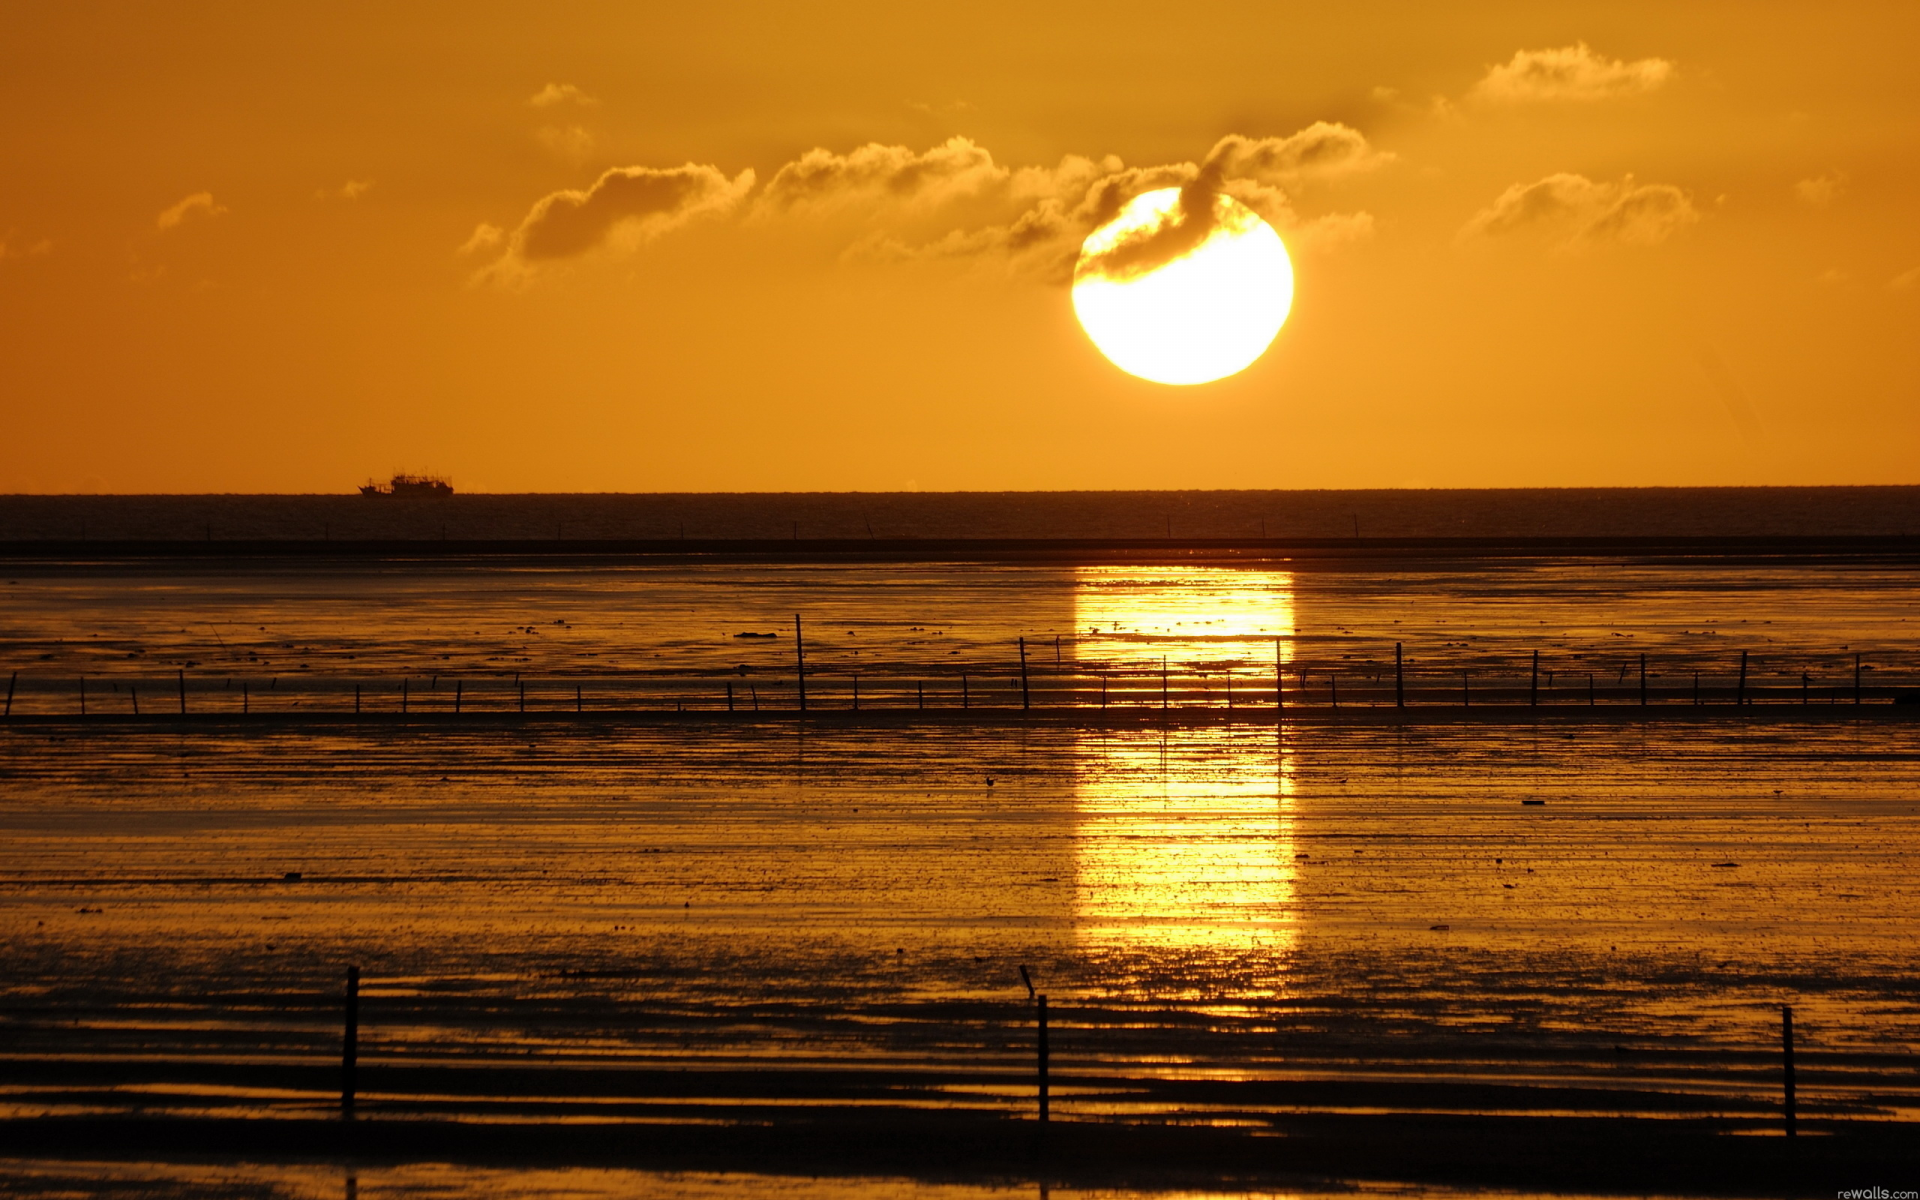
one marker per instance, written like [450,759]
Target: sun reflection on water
[1185,838]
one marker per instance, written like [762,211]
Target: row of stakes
[1026,691]
[350,1052]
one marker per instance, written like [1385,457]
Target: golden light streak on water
[1185,840]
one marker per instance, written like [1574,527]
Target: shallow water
[598,920]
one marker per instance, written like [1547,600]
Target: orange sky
[248,249]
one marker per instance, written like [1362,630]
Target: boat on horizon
[407,485]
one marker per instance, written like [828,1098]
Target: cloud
[625,206]
[955,201]
[1821,190]
[570,143]
[199,202]
[485,237]
[1904,281]
[352,189]
[1570,73]
[560,93]
[1582,211]
[12,247]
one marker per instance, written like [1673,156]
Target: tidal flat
[1582,911]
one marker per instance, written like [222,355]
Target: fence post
[1786,1062]
[1041,1003]
[799,647]
[350,1046]
[1025,701]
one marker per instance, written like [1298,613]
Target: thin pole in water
[1786,1064]
[181,676]
[1040,1003]
[1399,677]
[457,685]
[1740,697]
[1643,681]
[1279,678]
[754,693]
[1856,683]
[1466,691]
[1696,689]
[1103,689]
[1590,689]
[577,707]
[1025,700]
[243,697]
[729,696]
[1164,698]
[799,647]
[919,694]
[1229,691]
[1333,688]
[356,699]
[134,692]
[1533,686]
[856,693]
[523,696]
[15,678]
[403,695]
[1803,688]
[83,695]
[350,1046]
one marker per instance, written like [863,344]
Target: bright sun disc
[1199,317]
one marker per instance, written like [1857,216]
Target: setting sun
[1197,314]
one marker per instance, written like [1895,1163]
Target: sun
[1178,299]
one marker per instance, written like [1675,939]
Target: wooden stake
[1164,689]
[729,696]
[1279,678]
[1466,692]
[182,678]
[135,693]
[1025,699]
[350,1046]
[243,698]
[799,647]
[856,693]
[963,691]
[1740,697]
[577,706]
[523,697]
[1040,1005]
[919,694]
[403,695]
[458,687]
[1399,677]
[1333,688]
[1533,685]
[1856,683]
[15,678]
[83,695]
[1786,1064]
[1643,681]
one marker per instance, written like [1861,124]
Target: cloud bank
[1582,212]
[953,200]
[1569,73]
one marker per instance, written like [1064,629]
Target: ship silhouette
[408,486]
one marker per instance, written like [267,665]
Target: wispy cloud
[200,203]
[1568,73]
[12,245]
[954,200]
[352,189]
[1904,281]
[1578,211]
[560,93]
[1821,190]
